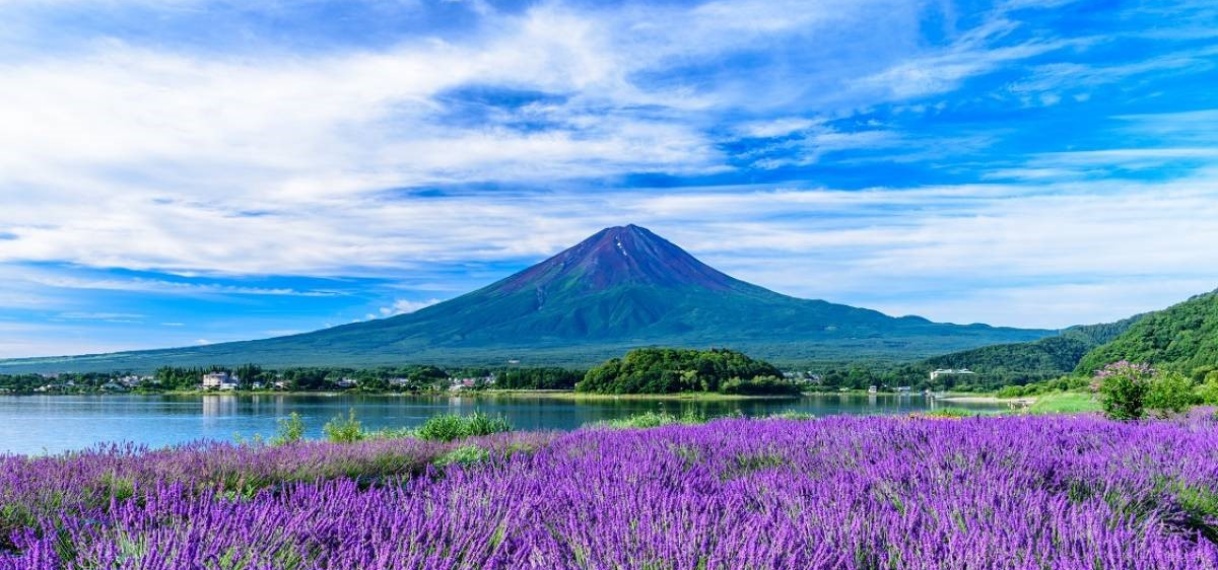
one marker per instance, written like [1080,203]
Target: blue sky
[176,172]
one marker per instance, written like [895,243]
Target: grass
[948,413]
[453,426]
[1064,403]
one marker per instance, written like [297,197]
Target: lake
[53,424]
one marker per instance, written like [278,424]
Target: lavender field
[842,492]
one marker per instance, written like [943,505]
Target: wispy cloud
[1034,152]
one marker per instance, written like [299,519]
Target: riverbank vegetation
[670,371]
[841,492]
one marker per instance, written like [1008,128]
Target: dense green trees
[1183,338]
[538,379]
[668,370]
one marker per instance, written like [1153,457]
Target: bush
[344,430]
[1169,394]
[289,430]
[1123,387]
[1207,392]
[483,424]
[463,456]
[449,427]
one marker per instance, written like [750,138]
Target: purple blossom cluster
[842,492]
[1137,371]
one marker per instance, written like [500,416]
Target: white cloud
[404,306]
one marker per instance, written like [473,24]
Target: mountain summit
[623,287]
[612,257]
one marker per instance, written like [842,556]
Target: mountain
[1042,359]
[1183,337]
[621,288]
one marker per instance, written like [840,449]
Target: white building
[945,371]
[222,381]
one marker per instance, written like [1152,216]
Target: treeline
[251,377]
[669,371]
[538,379]
[81,382]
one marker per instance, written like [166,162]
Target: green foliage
[1207,392]
[1030,362]
[449,427]
[1170,393]
[667,371]
[547,378]
[792,415]
[464,456]
[1182,338]
[949,413]
[1123,388]
[762,385]
[344,430]
[655,419]
[1056,385]
[1064,403]
[289,430]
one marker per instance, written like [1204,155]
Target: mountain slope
[1182,337]
[1045,358]
[620,288]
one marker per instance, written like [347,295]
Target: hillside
[1183,337]
[622,288]
[1030,361]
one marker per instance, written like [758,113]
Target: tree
[1123,387]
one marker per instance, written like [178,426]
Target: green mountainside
[1037,360]
[1183,338]
[622,288]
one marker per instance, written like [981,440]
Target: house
[399,382]
[132,380]
[945,371]
[348,383]
[220,381]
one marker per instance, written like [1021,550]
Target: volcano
[622,287]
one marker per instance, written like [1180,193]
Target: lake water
[53,424]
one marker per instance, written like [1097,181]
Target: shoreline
[1013,402]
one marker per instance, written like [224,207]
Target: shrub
[1170,393]
[1123,387]
[343,430]
[289,430]
[656,419]
[464,455]
[1207,392]
[483,424]
[449,427]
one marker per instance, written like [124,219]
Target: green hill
[666,371]
[1183,337]
[1032,361]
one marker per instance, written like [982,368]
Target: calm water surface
[53,424]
